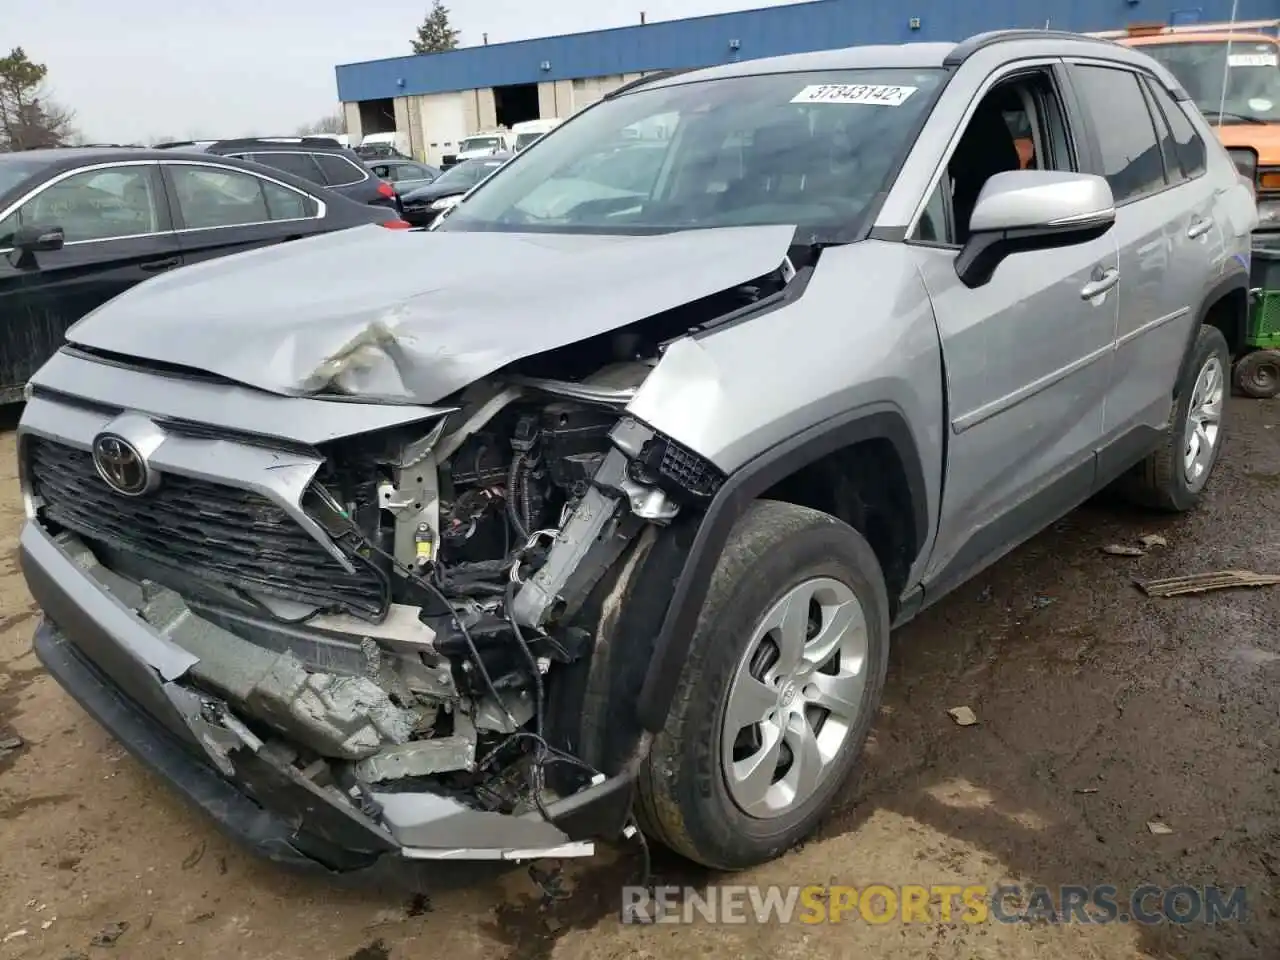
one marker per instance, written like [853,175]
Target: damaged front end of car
[353,630]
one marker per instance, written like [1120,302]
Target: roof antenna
[1226,64]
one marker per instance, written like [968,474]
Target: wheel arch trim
[877,421]
[1235,283]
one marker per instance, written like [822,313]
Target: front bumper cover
[128,677]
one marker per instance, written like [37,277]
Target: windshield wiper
[1225,115]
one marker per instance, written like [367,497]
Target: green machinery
[1257,369]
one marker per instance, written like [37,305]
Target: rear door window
[1126,133]
[211,197]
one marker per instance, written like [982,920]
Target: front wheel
[782,683]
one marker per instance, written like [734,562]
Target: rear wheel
[1258,374]
[782,683]
[1174,476]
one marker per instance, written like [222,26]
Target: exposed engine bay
[386,618]
[467,543]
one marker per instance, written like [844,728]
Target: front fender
[875,421]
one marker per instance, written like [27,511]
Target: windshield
[480,143]
[809,149]
[14,172]
[1251,68]
[524,139]
[466,174]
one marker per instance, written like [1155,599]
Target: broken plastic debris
[963,716]
[14,935]
[10,743]
[1087,790]
[110,934]
[1153,540]
[1120,550]
[1158,828]
[1203,582]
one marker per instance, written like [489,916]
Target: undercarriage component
[346,717]
[423,757]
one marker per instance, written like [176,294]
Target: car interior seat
[986,148]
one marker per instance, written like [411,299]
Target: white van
[376,145]
[531,130]
[483,144]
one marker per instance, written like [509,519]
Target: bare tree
[29,120]
[334,123]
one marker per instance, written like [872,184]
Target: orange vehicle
[1232,73]
[1246,55]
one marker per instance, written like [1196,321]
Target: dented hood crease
[413,317]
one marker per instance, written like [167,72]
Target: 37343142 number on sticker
[884,95]
[1253,60]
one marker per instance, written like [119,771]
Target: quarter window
[1125,132]
[217,197]
[92,205]
[338,171]
[1188,146]
[299,164]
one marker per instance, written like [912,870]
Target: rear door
[220,210]
[1163,231]
[118,233]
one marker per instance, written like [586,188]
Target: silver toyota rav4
[602,499]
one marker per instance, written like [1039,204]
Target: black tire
[1159,481]
[1257,374]
[683,799]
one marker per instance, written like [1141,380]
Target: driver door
[1027,354]
[117,232]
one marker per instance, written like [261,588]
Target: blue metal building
[746,35]
[379,95]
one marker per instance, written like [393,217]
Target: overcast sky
[134,70]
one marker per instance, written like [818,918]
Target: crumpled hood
[412,317]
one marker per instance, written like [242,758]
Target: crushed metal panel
[355,312]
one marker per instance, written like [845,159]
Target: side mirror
[38,239]
[1023,210]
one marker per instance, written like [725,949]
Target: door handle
[1199,228]
[155,266]
[1103,281]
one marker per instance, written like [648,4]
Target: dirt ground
[1100,710]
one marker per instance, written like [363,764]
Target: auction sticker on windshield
[869,93]
[1253,60]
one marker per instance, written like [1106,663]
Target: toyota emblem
[120,465]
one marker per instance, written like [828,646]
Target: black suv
[321,160]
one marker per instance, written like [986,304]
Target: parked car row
[79,226]
[423,205]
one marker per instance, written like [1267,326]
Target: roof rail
[641,81]
[967,48]
[223,141]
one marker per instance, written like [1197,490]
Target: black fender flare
[1224,287]
[877,421]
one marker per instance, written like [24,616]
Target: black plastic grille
[202,529]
